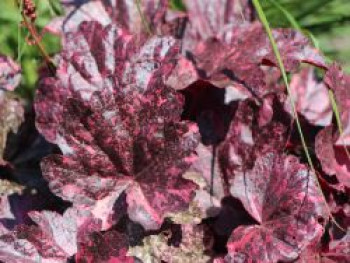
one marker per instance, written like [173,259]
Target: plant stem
[34,33]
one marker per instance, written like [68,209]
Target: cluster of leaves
[173,140]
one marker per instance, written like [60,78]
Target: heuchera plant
[177,142]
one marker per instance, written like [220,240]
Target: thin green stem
[33,32]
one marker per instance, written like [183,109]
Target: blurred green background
[12,40]
[326,21]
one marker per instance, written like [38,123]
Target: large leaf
[97,58]
[281,194]
[121,129]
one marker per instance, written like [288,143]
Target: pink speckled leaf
[246,140]
[119,142]
[121,127]
[281,194]
[238,60]
[334,159]
[339,82]
[107,247]
[10,73]
[52,240]
[126,134]
[311,98]
[339,250]
[98,58]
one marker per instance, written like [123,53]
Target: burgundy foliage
[280,194]
[168,137]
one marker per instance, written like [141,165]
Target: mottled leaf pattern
[334,159]
[174,140]
[121,128]
[311,98]
[281,194]
[339,82]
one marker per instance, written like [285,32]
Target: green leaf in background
[177,5]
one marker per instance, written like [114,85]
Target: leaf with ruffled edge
[106,247]
[156,248]
[339,82]
[52,240]
[237,61]
[334,159]
[121,142]
[98,58]
[310,98]
[282,196]
[126,136]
